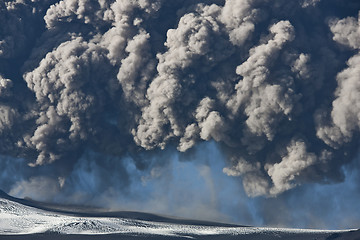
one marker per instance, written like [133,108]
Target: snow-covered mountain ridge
[21,219]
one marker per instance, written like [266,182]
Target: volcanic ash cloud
[274,83]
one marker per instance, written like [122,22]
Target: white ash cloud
[309,3]
[346,31]
[284,173]
[344,122]
[274,83]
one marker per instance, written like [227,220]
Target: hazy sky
[243,111]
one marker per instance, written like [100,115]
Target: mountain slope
[25,219]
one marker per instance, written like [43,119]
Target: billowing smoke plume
[275,84]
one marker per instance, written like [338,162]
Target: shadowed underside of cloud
[113,90]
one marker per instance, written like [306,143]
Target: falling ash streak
[184,192]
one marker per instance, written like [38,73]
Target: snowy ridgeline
[17,220]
